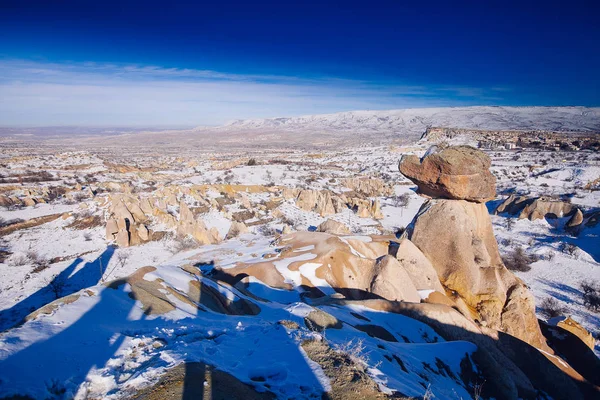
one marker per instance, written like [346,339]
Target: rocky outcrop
[456,236]
[334,227]
[513,204]
[460,172]
[544,207]
[536,208]
[370,187]
[569,324]
[326,203]
[355,268]
[236,229]
[575,220]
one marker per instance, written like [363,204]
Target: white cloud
[37,93]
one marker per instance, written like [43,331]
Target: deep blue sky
[446,53]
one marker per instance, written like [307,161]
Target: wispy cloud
[42,93]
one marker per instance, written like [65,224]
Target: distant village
[539,140]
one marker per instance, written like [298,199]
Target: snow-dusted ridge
[414,121]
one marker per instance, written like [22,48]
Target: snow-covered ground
[108,347]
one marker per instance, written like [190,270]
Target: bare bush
[122,258]
[403,200]
[551,308]
[355,349]
[568,248]
[267,230]
[183,243]
[510,224]
[591,295]
[518,260]
[18,260]
[252,162]
[39,262]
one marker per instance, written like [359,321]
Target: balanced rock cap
[457,172]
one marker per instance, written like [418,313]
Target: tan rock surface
[459,172]
[457,237]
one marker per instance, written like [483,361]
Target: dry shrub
[183,243]
[551,308]
[591,295]
[86,222]
[518,260]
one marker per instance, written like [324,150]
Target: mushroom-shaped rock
[459,172]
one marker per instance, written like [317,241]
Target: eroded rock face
[355,268]
[454,232]
[418,267]
[539,208]
[459,172]
[544,207]
[457,237]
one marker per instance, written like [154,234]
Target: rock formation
[335,227]
[326,203]
[455,234]
[460,172]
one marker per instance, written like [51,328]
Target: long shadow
[67,357]
[510,367]
[63,284]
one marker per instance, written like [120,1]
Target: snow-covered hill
[414,121]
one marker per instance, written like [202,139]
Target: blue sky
[199,63]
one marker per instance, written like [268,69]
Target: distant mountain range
[414,121]
[355,127]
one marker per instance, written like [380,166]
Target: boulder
[334,227]
[120,210]
[459,172]
[143,232]
[29,202]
